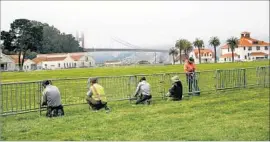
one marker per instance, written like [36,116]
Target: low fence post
[39,96]
[264,76]
[2,98]
[245,77]
[163,84]
[131,79]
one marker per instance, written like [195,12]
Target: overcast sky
[146,24]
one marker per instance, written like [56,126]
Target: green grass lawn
[231,115]
[116,71]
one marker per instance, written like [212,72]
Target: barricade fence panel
[262,74]
[233,78]
[26,96]
[18,97]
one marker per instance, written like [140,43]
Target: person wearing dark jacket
[176,91]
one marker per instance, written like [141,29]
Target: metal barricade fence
[20,97]
[262,74]
[232,78]
[26,96]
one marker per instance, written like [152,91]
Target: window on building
[244,48]
[59,65]
[249,48]
[228,49]
[75,64]
[248,54]
[266,56]
[245,56]
[255,42]
[266,48]
[257,47]
[225,59]
[229,59]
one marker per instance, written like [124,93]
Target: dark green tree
[22,37]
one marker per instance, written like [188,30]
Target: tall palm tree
[187,47]
[179,44]
[232,43]
[173,51]
[214,41]
[199,44]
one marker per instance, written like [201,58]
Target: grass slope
[116,71]
[231,115]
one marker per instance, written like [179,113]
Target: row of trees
[183,45]
[27,38]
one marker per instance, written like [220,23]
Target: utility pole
[155,57]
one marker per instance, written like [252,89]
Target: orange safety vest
[189,67]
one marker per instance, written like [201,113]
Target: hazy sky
[146,24]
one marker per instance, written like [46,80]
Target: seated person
[176,91]
[96,96]
[52,99]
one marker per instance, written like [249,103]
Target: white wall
[10,64]
[27,66]
[209,58]
[51,65]
[244,52]
[86,61]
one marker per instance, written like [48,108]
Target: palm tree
[199,44]
[179,45]
[232,43]
[214,41]
[173,51]
[187,47]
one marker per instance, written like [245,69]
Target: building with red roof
[64,60]
[248,49]
[207,55]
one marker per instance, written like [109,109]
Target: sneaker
[107,109]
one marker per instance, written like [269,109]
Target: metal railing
[21,97]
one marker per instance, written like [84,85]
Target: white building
[52,63]
[6,63]
[207,56]
[64,60]
[113,63]
[248,49]
[29,65]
